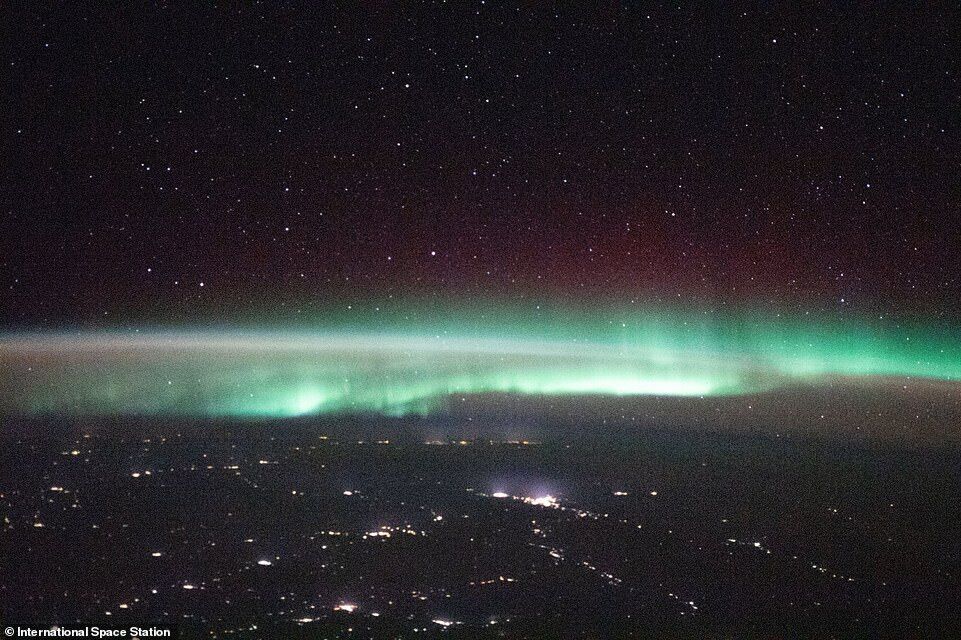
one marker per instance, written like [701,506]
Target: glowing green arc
[415,369]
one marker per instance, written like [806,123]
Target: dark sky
[288,156]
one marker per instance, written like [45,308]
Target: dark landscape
[309,529]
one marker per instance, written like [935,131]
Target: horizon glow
[420,370]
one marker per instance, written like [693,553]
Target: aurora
[412,366]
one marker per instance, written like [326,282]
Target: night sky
[198,162]
[481,319]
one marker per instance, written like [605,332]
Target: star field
[198,161]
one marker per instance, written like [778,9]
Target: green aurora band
[417,364]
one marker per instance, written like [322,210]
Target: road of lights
[410,366]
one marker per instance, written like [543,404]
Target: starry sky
[206,162]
